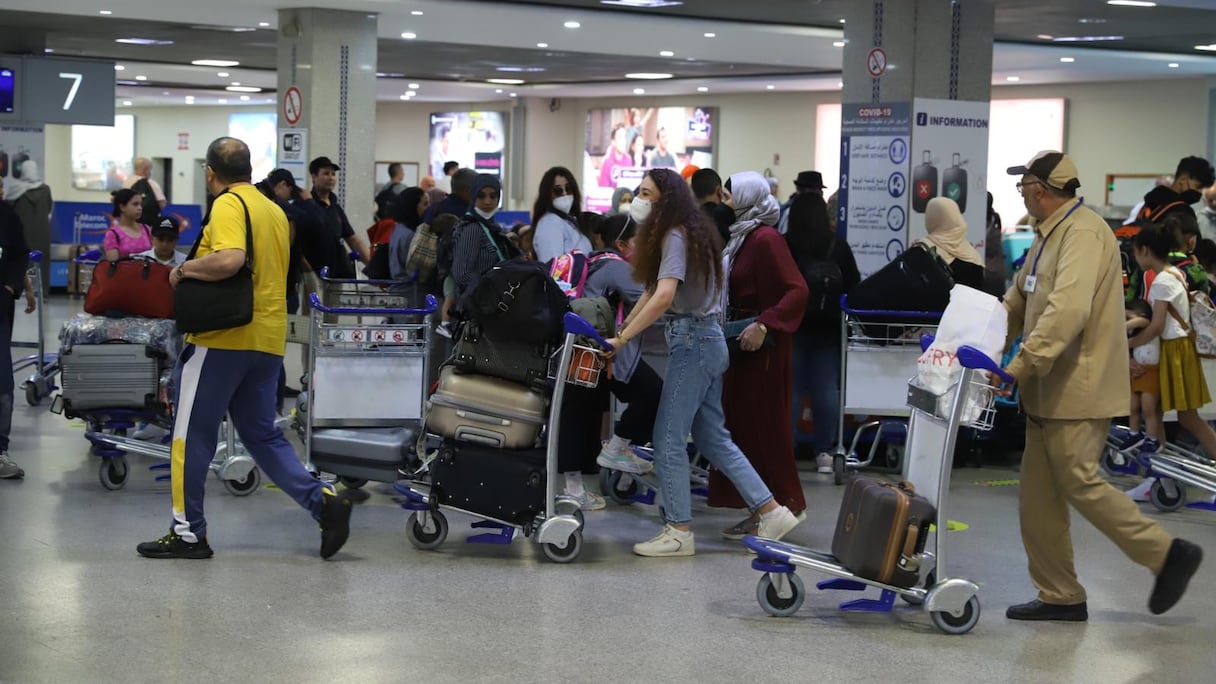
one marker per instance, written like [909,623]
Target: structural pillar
[327,101]
[917,85]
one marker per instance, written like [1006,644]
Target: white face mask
[624,208]
[487,215]
[564,203]
[639,209]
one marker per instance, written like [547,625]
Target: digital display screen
[6,90]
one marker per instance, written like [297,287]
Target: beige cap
[1056,169]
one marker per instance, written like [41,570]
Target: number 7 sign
[76,80]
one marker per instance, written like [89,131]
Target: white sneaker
[149,432]
[589,501]
[624,461]
[824,461]
[669,542]
[8,469]
[777,523]
[1140,491]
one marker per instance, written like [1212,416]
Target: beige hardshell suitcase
[485,410]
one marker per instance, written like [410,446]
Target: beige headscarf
[948,232]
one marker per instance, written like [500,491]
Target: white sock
[773,513]
[574,484]
[617,445]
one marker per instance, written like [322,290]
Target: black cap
[321,163]
[281,176]
[811,180]
[166,227]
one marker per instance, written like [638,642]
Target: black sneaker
[335,521]
[1181,563]
[1037,610]
[291,392]
[173,546]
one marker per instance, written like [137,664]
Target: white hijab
[31,177]
[755,206]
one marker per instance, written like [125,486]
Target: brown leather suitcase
[881,531]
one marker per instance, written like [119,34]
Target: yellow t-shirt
[267,332]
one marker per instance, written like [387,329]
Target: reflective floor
[78,605]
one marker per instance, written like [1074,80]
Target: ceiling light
[770,87]
[189,98]
[222,74]
[519,69]
[264,24]
[141,77]
[498,91]
[1173,65]
[514,95]
[236,83]
[1044,36]
[221,63]
[840,84]
[542,45]
[409,35]
[243,89]
[1131,3]
[643,4]
[1068,60]
[119,67]
[505,81]
[1091,20]
[223,101]
[702,89]
[842,21]
[404,97]
[244,98]
[243,29]
[164,92]
[839,43]
[411,93]
[126,103]
[142,41]
[572,25]
[666,53]
[1012,79]
[1207,48]
[1085,39]
[639,91]
[416,13]
[647,76]
[711,35]
[413,86]
[105,12]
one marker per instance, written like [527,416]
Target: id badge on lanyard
[1032,280]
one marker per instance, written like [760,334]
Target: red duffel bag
[130,287]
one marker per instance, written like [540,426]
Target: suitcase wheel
[769,596]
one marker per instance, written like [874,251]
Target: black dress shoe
[1180,564]
[1037,610]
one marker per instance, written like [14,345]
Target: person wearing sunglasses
[556,231]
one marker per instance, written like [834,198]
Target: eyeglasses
[560,191]
[1025,184]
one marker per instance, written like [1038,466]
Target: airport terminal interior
[386,93]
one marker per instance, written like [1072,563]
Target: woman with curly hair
[678,261]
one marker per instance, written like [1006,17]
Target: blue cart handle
[925,315]
[577,325]
[36,256]
[355,281]
[972,358]
[92,256]
[431,307]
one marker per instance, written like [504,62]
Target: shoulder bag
[203,306]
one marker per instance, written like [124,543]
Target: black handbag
[203,306]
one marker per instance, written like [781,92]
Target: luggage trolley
[41,383]
[558,528]
[952,602]
[367,383]
[874,357]
[1174,467]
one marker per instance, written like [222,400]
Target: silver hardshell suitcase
[485,410]
[374,454]
[109,376]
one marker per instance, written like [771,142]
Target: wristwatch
[763,327]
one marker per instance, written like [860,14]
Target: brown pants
[1059,468]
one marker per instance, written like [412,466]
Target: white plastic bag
[975,319]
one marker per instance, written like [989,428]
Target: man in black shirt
[324,178]
[14,257]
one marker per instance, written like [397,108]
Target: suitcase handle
[908,559]
[483,418]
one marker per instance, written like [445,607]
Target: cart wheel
[838,472]
[566,553]
[429,536]
[113,473]
[960,624]
[572,509]
[610,486]
[352,482]
[1113,460]
[930,580]
[32,396]
[766,594]
[246,486]
[1167,497]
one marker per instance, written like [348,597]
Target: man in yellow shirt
[1067,303]
[236,370]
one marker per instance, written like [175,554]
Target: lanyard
[1034,271]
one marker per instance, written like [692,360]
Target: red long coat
[758,386]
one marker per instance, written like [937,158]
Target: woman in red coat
[766,299]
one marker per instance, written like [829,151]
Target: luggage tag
[1029,285]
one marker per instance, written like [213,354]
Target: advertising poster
[259,132]
[621,144]
[874,163]
[19,144]
[475,140]
[102,155]
[950,159]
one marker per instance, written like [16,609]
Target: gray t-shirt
[695,296]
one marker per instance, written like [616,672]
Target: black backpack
[517,301]
[151,207]
[377,267]
[824,284]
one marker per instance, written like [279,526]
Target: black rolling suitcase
[526,363]
[504,484]
[881,531]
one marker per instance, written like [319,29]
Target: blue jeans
[817,375]
[692,402]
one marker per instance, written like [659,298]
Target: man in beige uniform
[1072,370]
